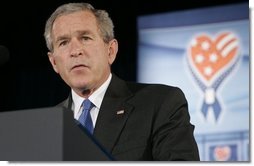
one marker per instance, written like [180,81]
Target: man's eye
[86,38]
[62,43]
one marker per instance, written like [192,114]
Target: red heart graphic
[209,56]
[222,153]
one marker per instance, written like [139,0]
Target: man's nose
[76,48]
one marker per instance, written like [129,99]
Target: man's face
[80,55]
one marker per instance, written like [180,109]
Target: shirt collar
[96,98]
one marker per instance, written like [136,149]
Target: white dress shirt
[96,98]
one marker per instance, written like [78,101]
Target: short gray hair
[104,22]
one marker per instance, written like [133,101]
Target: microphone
[4,55]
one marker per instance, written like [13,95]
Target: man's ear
[113,49]
[52,61]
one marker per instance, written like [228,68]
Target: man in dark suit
[132,121]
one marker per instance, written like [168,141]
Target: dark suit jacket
[154,123]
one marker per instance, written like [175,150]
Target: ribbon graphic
[210,62]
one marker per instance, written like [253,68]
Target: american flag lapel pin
[120,112]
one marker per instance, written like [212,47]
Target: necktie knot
[87,104]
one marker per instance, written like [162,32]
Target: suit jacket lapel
[113,113]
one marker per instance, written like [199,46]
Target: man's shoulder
[155,93]
[152,87]
[63,103]
[136,86]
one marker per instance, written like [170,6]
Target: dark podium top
[46,134]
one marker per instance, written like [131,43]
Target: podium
[46,134]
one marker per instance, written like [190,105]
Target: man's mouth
[76,67]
